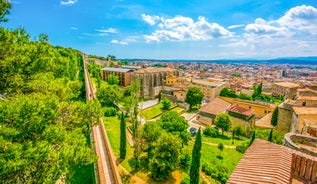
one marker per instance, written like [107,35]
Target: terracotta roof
[215,106]
[309,98]
[307,89]
[287,84]
[154,70]
[241,110]
[305,110]
[265,122]
[263,162]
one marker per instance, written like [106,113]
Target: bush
[242,148]
[110,111]
[216,171]
[210,131]
[184,160]
[185,180]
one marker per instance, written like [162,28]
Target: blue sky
[172,29]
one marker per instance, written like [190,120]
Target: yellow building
[304,120]
[260,108]
[170,80]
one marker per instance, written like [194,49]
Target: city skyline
[173,30]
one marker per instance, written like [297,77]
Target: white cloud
[302,18]
[73,28]
[235,26]
[68,2]
[261,27]
[119,42]
[150,19]
[182,28]
[109,30]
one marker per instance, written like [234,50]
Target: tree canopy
[194,96]
[44,123]
[274,117]
[5,5]
[223,121]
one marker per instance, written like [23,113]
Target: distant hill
[312,60]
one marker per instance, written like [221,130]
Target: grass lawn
[112,125]
[156,110]
[210,152]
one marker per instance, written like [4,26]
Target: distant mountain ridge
[311,60]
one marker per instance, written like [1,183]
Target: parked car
[192,131]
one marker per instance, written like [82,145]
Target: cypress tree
[252,138]
[195,165]
[123,137]
[274,117]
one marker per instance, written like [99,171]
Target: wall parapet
[290,140]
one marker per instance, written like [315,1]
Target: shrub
[184,160]
[210,131]
[110,111]
[216,171]
[242,148]
[185,180]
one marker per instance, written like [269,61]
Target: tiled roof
[122,70]
[263,162]
[287,84]
[305,110]
[215,106]
[307,90]
[154,70]
[265,122]
[241,110]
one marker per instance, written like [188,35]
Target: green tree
[274,121]
[196,154]
[166,156]
[274,118]
[123,137]
[225,92]
[5,5]
[244,96]
[166,103]
[113,80]
[109,95]
[151,131]
[257,91]
[252,138]
[172,122]
[223,121]
[43,38]
[159,96]
[220,147]
[194,96]
[239,131]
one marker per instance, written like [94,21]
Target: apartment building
[286,89]
[123,74]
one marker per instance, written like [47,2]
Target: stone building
[124,75]
[209,89]
[241,117]
[285,89]
[152,80]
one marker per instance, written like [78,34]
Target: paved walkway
[147,104]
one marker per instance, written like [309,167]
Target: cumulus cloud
[262,27]
[182,28]
[235,26]
[150,19]
[303,18]
[119,42]
[109,30]
[68,2]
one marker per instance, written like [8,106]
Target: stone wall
[291,138]
[304,168]
[284,119]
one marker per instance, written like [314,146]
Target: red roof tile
[215,106]
[241,110]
